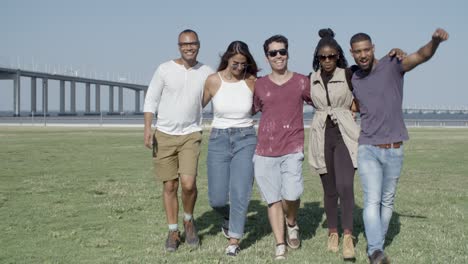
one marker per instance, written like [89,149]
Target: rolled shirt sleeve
[154,92]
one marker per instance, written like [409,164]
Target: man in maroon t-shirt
[278,157]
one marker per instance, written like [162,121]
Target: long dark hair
[328,39]
[239,47]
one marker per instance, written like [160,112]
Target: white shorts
[279,178]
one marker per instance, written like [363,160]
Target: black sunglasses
[325,57]
[273,53]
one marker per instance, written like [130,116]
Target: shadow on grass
[256,225]
[394,227]
[310,215]
[309,218]
[315,214]
[209,223]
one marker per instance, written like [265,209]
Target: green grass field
[81,195]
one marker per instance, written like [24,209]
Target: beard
[368,68]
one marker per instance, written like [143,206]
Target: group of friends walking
[272,156]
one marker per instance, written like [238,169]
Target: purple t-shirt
[281,128]
[380,97]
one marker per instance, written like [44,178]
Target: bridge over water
[16,74]
[97,84]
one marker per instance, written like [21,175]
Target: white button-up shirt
[175,94]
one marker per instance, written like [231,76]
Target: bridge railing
[125,119]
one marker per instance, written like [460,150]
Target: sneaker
[191,236]
[333,242]
[378,257]
[348,247]
[172,241]
[232,250]
[225,228]
[292,236]
[280,252]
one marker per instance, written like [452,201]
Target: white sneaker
[292,236]
[280,252]
[232,250]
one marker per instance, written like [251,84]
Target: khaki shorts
[176,154]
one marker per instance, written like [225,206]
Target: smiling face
[277,56]
[363,54]
[188,47]
[328,57]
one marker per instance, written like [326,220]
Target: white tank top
[232,105]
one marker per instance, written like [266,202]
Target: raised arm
[425,52]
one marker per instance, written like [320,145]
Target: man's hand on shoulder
[397,53]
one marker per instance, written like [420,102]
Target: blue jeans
[230,174]
[379,170]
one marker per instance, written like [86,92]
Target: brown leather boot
[172,241]
[191,234]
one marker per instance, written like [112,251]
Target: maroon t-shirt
[281,128]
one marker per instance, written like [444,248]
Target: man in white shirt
[175,94]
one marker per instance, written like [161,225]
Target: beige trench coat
[341,99]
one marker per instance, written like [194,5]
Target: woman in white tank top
[232,140]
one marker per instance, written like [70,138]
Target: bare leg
[171,203]
[233,241]
[290,209]
[189,192]
[276,217]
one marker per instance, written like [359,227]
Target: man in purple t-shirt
[378,88]
[279,154]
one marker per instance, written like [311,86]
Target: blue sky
[129,39]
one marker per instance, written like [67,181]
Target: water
[207,115]
[6,117]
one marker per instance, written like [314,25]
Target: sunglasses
[325,57]
[236,66]
[273,53]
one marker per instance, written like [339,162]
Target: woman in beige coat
[333,137]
